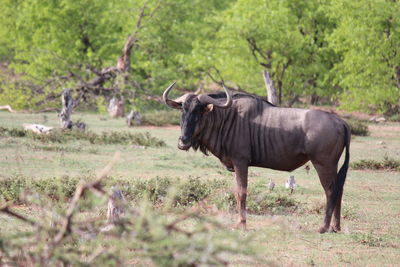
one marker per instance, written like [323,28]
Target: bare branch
[79,192]
[255,50]
[6,209]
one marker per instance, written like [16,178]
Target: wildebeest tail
[341,176]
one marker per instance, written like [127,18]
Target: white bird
[271,184]
[291,183]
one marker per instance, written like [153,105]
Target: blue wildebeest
[244,130]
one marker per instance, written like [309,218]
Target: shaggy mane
[222,95]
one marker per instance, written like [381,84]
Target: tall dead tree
[116,107]
[67,106]
[271,92]
[118,75]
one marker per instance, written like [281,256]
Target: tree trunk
[67,106]
[314,99]
[271,92]
[133,118]
[115,205]
[116,108]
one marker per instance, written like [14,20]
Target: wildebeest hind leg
[327,176]
[241,171]
[335,225]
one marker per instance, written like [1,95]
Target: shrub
[57,188]
[358,127]
[12,187]
[62,136]
[13,132]
[162,117]
[386,164]
[143,234]
[394,118]
[179,192]
[262,201]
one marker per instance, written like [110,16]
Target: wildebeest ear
[208,108]
[173,104]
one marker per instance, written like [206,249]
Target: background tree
[286,38]
[367,38]
[331,48]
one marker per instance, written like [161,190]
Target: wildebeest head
[193,108]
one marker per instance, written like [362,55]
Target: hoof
[323,230]
[334,229]
[330,229]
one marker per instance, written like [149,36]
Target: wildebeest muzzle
[184,143]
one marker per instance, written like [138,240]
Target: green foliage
[263,201]
[160,191]
[386,164]
[57,188]
[163,237]
[394,117]
[12,187]
[252,33]
[367,38]
[106,138]
[337,49]
[162,117]
[358,127]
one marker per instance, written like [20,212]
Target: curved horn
[206,99]
[169,102]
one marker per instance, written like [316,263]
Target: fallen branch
[7,107]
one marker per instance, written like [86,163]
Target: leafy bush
[159,191]
[262,201]
[143,235]
[358,127]
[395,117]
[162,117]
[12,187]
[385,164]
[62,136]
[58,188]
[13,132]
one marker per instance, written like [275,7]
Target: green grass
[371,203]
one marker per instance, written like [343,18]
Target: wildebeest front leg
[241,192]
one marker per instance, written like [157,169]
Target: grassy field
[371,205]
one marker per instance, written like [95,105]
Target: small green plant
[368,239]
[358,127]
[316,207]
[386,164]
[350,212]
